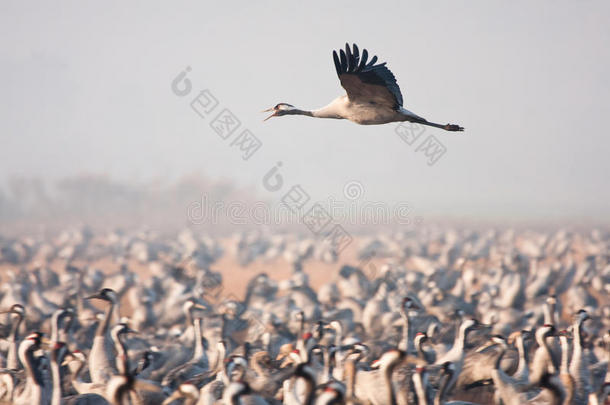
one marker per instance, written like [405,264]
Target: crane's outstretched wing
[366,82]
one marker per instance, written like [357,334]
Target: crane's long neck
[103,326]
[442,391]
[64,331]
[339,334]
[55,326]
[350,374]
[15,328]
[34,380]
[189,317]
[420,390]
[406,332]
[549,313]
[579,367]
[548,353]
[12,361]
[565,352]
[301,325]
[577,364]
[460,340]
[522,365]
[76,373]
[117,389]
[387,378]
[222,352]
[198,352]
[56,376]
[552,366]
[328,368]
[325,112]
[122,362]
[506,390]
[419,347]
[577,337]
[298,111]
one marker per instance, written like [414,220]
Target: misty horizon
[88,90]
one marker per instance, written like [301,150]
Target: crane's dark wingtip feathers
[343,60]
[350,62]
[337,62]
[365,56]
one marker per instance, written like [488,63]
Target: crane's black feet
[453,128]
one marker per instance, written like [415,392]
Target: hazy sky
[86,89]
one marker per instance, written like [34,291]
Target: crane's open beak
[272,115]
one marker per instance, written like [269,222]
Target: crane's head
[420,337]
[119,330]
[105,294]
[279,110]
[16,309]
[408,304]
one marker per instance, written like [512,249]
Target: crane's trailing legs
[411,117]
[446,127]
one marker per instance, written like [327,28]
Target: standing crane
[373,96]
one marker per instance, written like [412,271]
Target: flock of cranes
[490,317]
